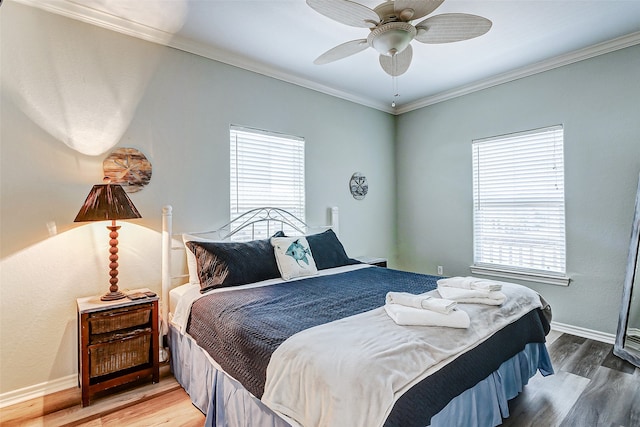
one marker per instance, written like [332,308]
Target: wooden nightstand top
[93,303]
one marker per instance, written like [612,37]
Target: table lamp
[109,202]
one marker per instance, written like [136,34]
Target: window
[267,169]
[518,202]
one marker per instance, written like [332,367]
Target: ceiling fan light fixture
[391,32]
[391,38]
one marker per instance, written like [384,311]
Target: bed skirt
[227,403]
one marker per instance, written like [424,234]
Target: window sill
[519,275]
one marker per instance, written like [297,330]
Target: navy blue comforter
[241,328]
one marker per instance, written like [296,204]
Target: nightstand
[118,342]
[379,262]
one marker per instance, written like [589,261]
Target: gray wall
[597,102]
[71,92]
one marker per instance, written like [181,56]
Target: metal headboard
[276,219]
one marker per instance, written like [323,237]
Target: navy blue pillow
[226,264]
[327,251]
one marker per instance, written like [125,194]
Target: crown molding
[239,61]
[529,70]
[95,17]
[99,18]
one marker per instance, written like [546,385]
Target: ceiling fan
[392,31]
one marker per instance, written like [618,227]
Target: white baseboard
[38,390]
[584,332]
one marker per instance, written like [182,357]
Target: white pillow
[192,264]
[293,257]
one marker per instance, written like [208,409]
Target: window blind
[267,169]
[518,197]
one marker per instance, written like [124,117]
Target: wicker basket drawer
[100,323]
[106,358]
[118,335]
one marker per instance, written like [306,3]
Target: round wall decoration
[358,186]
[127,167]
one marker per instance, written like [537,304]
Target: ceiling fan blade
[346,12]
[420,8]
[451,27]
[397,64]
[342,51]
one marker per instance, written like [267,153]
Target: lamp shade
[107,202]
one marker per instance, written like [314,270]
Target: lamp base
[112,296]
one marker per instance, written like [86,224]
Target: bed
[303,336]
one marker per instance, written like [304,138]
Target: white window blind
[267,170]
[518,198]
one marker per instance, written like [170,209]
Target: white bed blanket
[351,371]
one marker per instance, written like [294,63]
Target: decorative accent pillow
[192,263]
[226,264]
[327,250]
[293,257]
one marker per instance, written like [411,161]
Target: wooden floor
[162,404]
[591,388]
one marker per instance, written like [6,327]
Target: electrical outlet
[440,270]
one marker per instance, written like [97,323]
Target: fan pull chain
[394,81]
[396,95]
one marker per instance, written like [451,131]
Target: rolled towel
[473,296]
[405,298]
[411,316]
[470,282]
[423,301]
[439,305]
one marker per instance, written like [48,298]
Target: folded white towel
[410,316]
[473,296]
[423,301]
[470,282]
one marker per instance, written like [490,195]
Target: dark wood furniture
[379,262]
[118,342]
